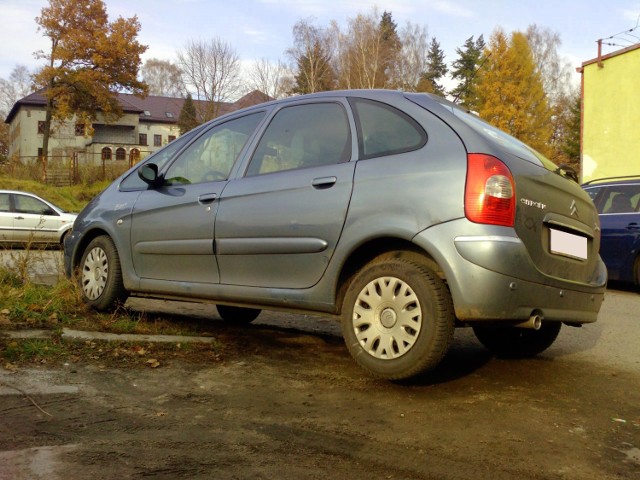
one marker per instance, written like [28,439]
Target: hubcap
[94,273]
[387,318]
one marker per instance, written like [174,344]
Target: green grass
[73,198]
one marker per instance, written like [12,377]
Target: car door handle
[18,218]
[207,198]
[633,226]
[324,182]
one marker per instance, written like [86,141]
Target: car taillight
[489,195]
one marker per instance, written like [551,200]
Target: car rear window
[385,130]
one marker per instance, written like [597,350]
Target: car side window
[385,130]
[620,199]
[4,202]
[211,156]
[25,204]
[302,136]
[160,158]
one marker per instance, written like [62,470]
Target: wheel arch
[85,240]
[375,248]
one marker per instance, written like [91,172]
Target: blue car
[618,202]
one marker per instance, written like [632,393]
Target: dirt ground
[285,401]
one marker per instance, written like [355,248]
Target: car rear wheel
[240,315]
[397,318]
[101,275]
[512,342]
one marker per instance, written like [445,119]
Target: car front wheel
[512,342]
[101,275]
[397,318]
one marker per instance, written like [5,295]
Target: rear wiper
[567,172]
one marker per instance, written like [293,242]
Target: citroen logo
[573,208]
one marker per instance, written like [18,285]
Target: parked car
[617,200]
[26,218]
[398,212]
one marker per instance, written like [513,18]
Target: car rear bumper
[512,288]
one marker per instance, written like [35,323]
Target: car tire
[238,315]
[101,275]
[513,342]
[397,318]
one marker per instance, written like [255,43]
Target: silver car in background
[399,213]
[26,218]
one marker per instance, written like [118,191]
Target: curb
[68,334]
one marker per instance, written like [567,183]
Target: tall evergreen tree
[188,119]
[510,92]
[436,69]
[571,134]
[391,46]
[464,69]
[314,72]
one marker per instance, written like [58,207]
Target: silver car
[25,218]
[399,213]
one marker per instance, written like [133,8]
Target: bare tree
[311,58]
[365,55]
[555,73]
[413,58]
[270,78]
[163,77]
[19,85]
[211,71]
[554,70]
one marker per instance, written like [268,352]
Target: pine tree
[510,92]
[314,72]
[391,46]
[436,69]
[188,119]
[571,138]
[464,69]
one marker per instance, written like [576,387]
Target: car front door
[6,218]
[278,225]
[34,220]
[173,225]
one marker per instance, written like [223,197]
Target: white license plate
[563,243]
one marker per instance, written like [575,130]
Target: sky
[262,29]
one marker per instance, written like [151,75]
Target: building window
[157,140]
[171,138]
[106,153]
[143,139]
[79,129]
[41,127]
[121,154]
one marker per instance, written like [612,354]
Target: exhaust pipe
[534,322]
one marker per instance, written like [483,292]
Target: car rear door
[278,224]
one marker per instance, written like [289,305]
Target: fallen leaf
[153,363]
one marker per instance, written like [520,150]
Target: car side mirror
[148,173]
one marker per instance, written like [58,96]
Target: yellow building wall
[611,117]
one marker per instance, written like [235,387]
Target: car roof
[19,192]
[621,180]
